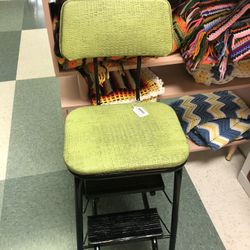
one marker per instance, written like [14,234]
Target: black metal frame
[80,183]
[137,82]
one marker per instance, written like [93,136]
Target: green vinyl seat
[113,139]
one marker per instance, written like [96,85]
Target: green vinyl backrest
[104,28]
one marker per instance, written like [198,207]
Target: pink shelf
[73,92]
[178,82]
[152,62]
[195,148]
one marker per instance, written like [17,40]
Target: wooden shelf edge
[74,92]
[195,148]
[146,63]
[77,104]
[151,62]
[178,82]
[214,88]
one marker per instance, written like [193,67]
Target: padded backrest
[103,28]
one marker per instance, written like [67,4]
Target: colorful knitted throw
[120,87]
[215,36]
[213,119]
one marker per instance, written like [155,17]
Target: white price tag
[141,112]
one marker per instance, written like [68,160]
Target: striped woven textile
[218,35]
[220,132]
[213,119]
[119,88]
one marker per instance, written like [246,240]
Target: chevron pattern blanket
[213,119]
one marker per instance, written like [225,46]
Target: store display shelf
[179,83]
[74,92]
[195,148]
[74,95]
[150,62]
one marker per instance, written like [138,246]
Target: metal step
[121,227]
[138,184]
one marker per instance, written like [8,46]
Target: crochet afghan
[119,88]
[215,37]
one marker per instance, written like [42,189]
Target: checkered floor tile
[36,190]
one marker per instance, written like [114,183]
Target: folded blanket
[220,132]
[213,119]
[121,88]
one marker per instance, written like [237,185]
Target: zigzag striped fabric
[218,133]
[213,119]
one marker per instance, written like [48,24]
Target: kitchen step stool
[112,142]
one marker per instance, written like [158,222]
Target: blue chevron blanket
[213,119]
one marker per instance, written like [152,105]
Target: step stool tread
[119,227]
[135,184]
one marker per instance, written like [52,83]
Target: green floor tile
[195,232]
[36,140]
[37,203]
[50,239]
[9,49]
[33,15]
[38,213]
[11,15]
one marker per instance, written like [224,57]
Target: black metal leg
[154,244]
[94,207]
[137,82]
[145,200]
[94,211]
[97,87]
[79,211]
[175,208]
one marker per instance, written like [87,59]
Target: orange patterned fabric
[151,87]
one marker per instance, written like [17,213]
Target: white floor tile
[7,90]
[226,202]
[35,59]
